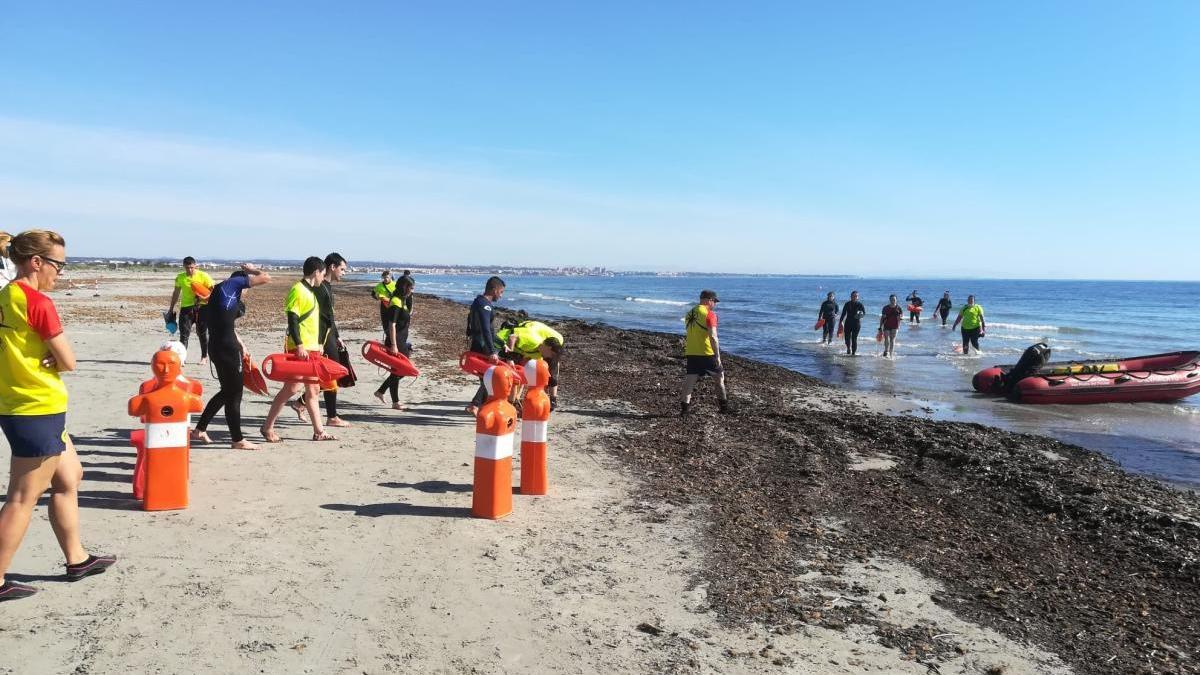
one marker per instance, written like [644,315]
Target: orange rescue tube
[252,377]
[316,369]
[879,336]
[201,290]
[914,309]
[397,364]
[819,324]
[474,363]
[841,330]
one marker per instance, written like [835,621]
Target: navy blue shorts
[703,365]
[35,435]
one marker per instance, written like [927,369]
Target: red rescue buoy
[252,377]
[397,364]
[819,324]
[291,368]
[914,309]
[477,364]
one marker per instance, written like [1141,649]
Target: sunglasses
[58,264]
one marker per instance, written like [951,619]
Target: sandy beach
[815,533]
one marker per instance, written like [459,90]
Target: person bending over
[224,308]
[534,340]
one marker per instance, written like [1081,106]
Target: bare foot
[472,410]
[379,395]
[204,360]
[269,435]
[397,406]
[201,436]
[324,436]
[245,445]
[336,422]
[298,407]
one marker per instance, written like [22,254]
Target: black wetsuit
[483,338]
[943,308]
[852,313]
[916,301]
[828,312]
[221,314]
[401,317]
[327,333]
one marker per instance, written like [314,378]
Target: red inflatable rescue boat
[1154,378]
[316,369]
[476,364]
[397,364]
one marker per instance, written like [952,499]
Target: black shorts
[35,435]
[703,365]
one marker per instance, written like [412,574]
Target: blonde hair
[29,243]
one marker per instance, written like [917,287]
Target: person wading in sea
[702,351]
[851,322]
[828,314]
[973,325]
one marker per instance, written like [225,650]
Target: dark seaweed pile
[1043,541]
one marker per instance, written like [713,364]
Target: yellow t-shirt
[530,336]
[972,316]
[187,297]
[384,291]
[28,320]
[303,303]
[698,342]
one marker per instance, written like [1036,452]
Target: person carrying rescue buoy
[224,308]
[533,340]
[34,352]
[828,314]
[187,283]
[850,322]
[481,333]
[303,337]
[383,293]
[702,352]
[396,337]
[330,340]
[889,323]
[915,303]
[943,306]
[973,325]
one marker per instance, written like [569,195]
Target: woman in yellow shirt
[33,408]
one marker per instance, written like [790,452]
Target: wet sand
[810,533]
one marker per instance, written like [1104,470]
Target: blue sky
[938,138]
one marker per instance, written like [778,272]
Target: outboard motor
[1034,358]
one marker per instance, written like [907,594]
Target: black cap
[709,295]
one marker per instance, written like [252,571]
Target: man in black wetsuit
[481,332]
[828,313]
[943,306]
[914,300]
[225,348]
[851,322]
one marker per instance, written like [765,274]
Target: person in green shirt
[187,283]
[533,340]
[303,337]
[973,325]
[383,293]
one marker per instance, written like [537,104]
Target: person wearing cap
[702,351]
[915,303]
[943,306]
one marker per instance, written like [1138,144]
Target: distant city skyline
[920,140]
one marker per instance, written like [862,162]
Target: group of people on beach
[846,320]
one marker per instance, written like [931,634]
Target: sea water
[771,319]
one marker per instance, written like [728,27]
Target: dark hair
[407,273]
[385,273]
[554,345]
[311,264]
[493,283]
[189,260]
[334,259]
[239,273]
[404,283]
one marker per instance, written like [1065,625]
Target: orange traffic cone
[535,416]
[494,427]
[165,411]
